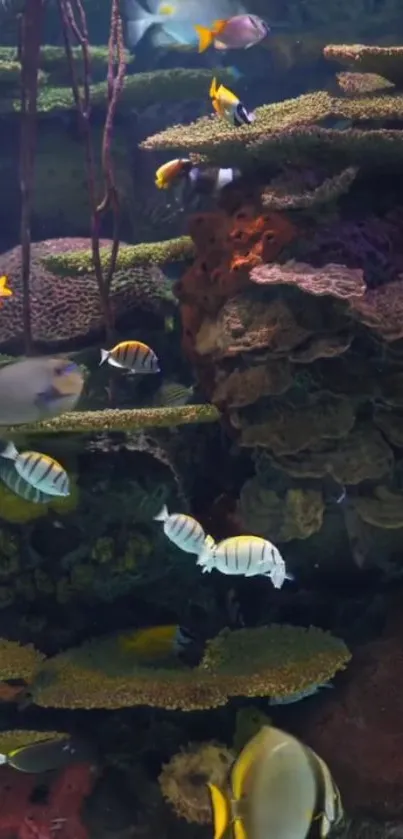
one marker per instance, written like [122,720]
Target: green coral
[84,422]
[274,660]
[18,662]
[184,779]
[75,263]
[291,130]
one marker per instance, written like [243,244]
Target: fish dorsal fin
[221,811]
[227,97]
[320,825]
[242,766]
[213,88]
[218,27]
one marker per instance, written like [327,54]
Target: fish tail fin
[206,37]
[213,88]
[221,811]
[138,22]
[206,554]
[290,576]
[162,515]
[104,356]
[10,452]
[3,759]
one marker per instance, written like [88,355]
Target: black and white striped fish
[132,355]
[184,531]
[39,470]
[246,555]
[21,487]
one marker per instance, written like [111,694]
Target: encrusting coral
[296,515]
[184,779]
[64,308]
[273,660]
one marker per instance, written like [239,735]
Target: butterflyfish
[170,172]
[38,388]
[249,556]
[238,32]
[39,470]
[46,755]
[227,105]
[277,789]
[5,290]
[132,355]
[184,531]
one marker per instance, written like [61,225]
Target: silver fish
[184,531]
[17,484]
[40,470]
[38,388]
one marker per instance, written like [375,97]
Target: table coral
[385,61]
[274,660]
[18,662]
[296,515]
[381,309]
[65,308]
[360,456]
[184,779]
[334,280]
[287,428]
[244,386]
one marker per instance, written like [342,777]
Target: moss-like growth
[87,422]
[291,130]
[184,779]
[10,740]
[75,263]
[274,660]
[18,662]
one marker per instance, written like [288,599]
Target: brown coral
[287,428]
[184,779]
[362,455]
[333,280]
[385,61]
[381,309]
[244,386]
[66,308]
[361,84]
[288,191]
[18,662]
[297,515]
[384,508]
[321,346]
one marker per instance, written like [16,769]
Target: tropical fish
[199,180]
[227,105]
[5,291]
[45,755]
[277,789]
[246,555]
[184,531]
[39,470]
[21,487]
[132,355]
[238,32]
[155,642]
[299,695]
[175,21]
[38,388]
[172,395]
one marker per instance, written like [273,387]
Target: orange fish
[4,290]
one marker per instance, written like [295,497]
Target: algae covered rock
[18,662]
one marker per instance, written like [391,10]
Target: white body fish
[175,19]
[39,470]
[249,556]
[184,531]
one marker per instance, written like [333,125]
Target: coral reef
[66,308]
[386,62]
[334,280]
[184,779]
[18,662]
[297,515]
[274,660]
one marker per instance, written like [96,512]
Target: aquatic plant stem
[31,28]
[82,98]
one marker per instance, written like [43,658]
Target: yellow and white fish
[277,789]
[228,106]
[5,290]
[184,531]
[246,555]
[172,171]
[39,470]
[132,355]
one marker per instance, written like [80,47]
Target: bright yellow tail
[221,811]
[206,37]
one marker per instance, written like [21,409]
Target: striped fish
[184,531]
[132,355]
[21,487]
[39,470]
[246,555]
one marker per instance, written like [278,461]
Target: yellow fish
[5,291]
[154,642]
[228,106]
[169,172]
[132,355]
[278,788]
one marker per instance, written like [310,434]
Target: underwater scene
[201,419]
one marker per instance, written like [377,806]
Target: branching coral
[297,515]
[334,280]
[285,193]
[386,61]
[287,428]
[276,660]
[17,662]
[184,779]
[83,422]
[79,262]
